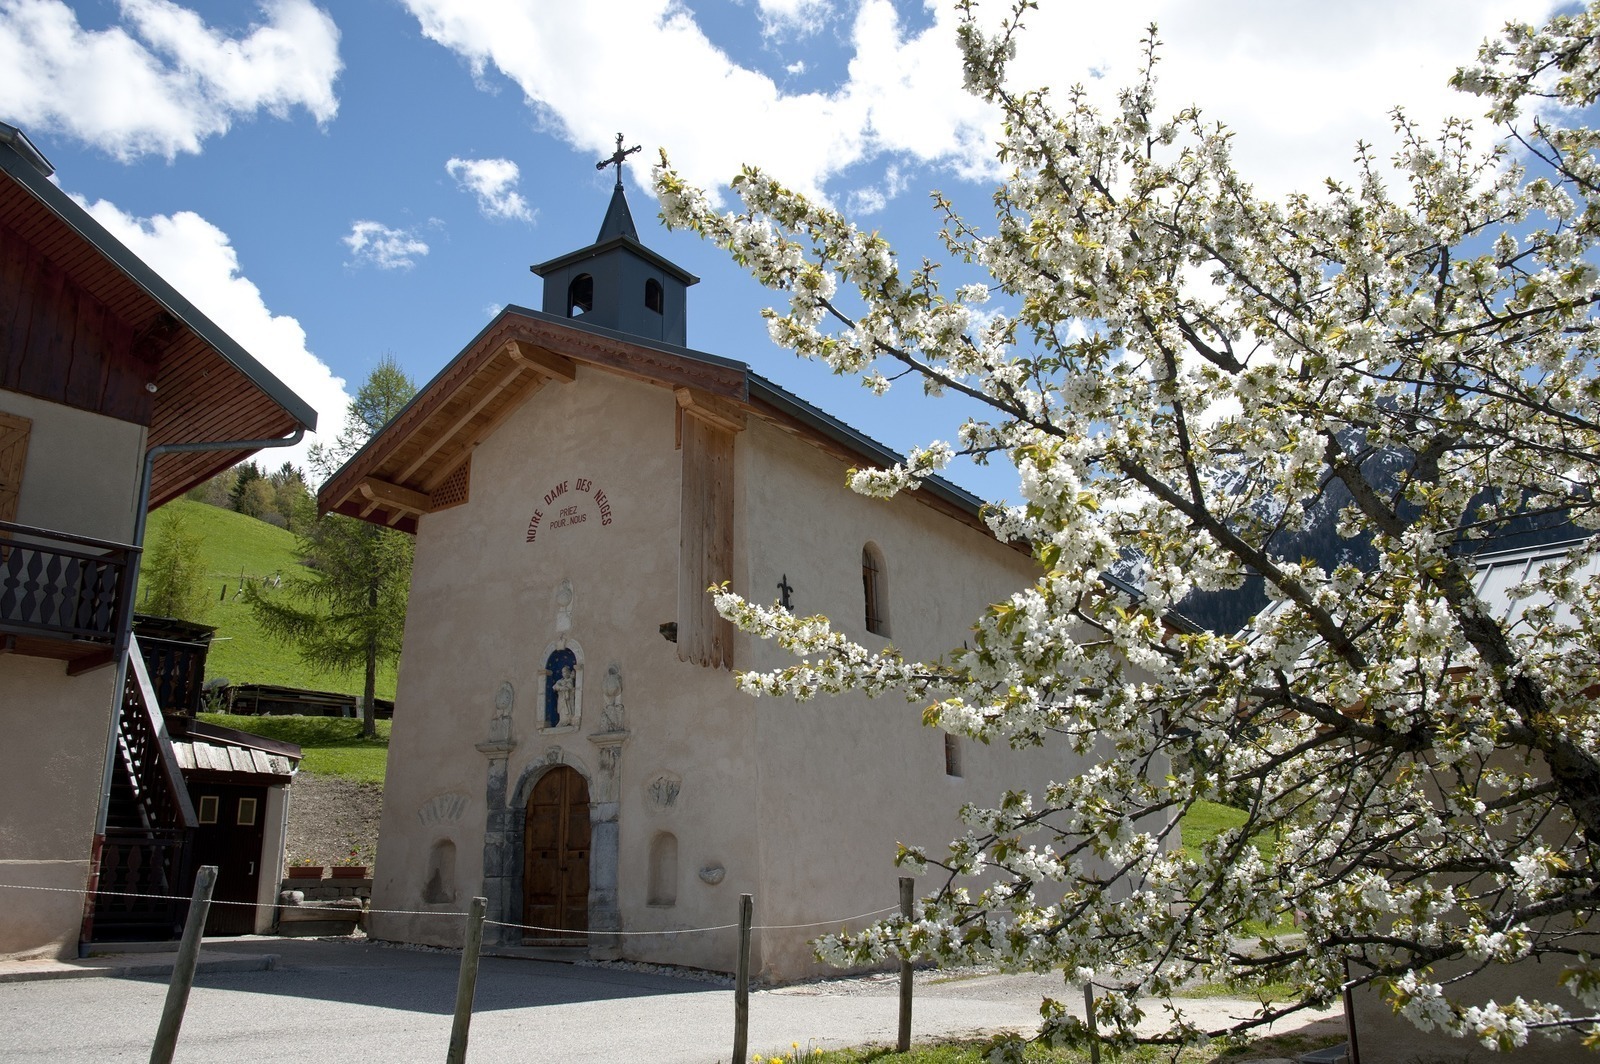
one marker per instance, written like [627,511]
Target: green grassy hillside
[233,544]
[333,745]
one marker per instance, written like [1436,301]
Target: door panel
[555,871]
[233,843]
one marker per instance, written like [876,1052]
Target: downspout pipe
[124,639]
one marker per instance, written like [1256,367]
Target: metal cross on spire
[617,159]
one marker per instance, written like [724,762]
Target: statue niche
[562,688]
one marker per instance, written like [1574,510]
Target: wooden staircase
[145,871]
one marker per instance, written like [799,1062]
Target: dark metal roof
[618,220]
[626,242]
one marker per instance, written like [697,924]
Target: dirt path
[328,817]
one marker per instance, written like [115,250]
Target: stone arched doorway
[555,854]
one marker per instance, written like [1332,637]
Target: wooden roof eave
[207,388]
[514,356]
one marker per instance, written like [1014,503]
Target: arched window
[874,590]
[654,299]
[664,869]
[580,296]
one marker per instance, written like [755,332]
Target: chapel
[568,741]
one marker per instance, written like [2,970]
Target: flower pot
[305,871]
[354,871]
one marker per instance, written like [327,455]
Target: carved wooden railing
[148,834]
[60,586]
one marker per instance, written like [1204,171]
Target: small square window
[247,812]
[208,809]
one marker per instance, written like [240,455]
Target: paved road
[328,1000]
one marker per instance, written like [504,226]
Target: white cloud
[874,198]
[378,245]
[165,82]
[796,67]
[197,259]
[494,182]
[798,18]
[1300,84]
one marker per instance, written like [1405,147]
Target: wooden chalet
[116,395]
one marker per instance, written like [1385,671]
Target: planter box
[305,871]
[355,871]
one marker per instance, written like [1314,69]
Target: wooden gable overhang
[420,462]
[86,323]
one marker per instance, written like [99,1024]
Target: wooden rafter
[393,496]
[714,411]
[448,433]
[553,366]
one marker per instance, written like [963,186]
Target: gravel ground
[329,816]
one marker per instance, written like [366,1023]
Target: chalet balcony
[62,596]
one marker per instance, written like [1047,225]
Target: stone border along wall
[351,896]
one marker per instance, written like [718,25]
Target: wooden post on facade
[183,968]
[467,982]
[741,986]
[903,1045]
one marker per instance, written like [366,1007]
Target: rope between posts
[324,907]
[693,930]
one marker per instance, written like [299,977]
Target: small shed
[239,785]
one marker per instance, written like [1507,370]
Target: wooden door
[230,835]
[555,858]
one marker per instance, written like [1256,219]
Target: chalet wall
[82,472]
[55,727]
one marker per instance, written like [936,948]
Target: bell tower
[617,282]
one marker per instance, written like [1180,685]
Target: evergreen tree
[348,611]
[173,576]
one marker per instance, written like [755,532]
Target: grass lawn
[237,547]
[333,745]
[1206,819]
[973,1052]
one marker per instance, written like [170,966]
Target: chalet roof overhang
[207,388]
[399,475]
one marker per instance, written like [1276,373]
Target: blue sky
[334,181]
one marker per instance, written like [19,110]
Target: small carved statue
[564,687]
[500,723]
[612,716]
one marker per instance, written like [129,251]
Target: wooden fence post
[467,982]
[1088,1013]
[741,986]
[183,969]
[903,1045]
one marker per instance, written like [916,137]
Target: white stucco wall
[800,806]
[55,727]
[843,780]
[483,613]
[82,473]
[81,478]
